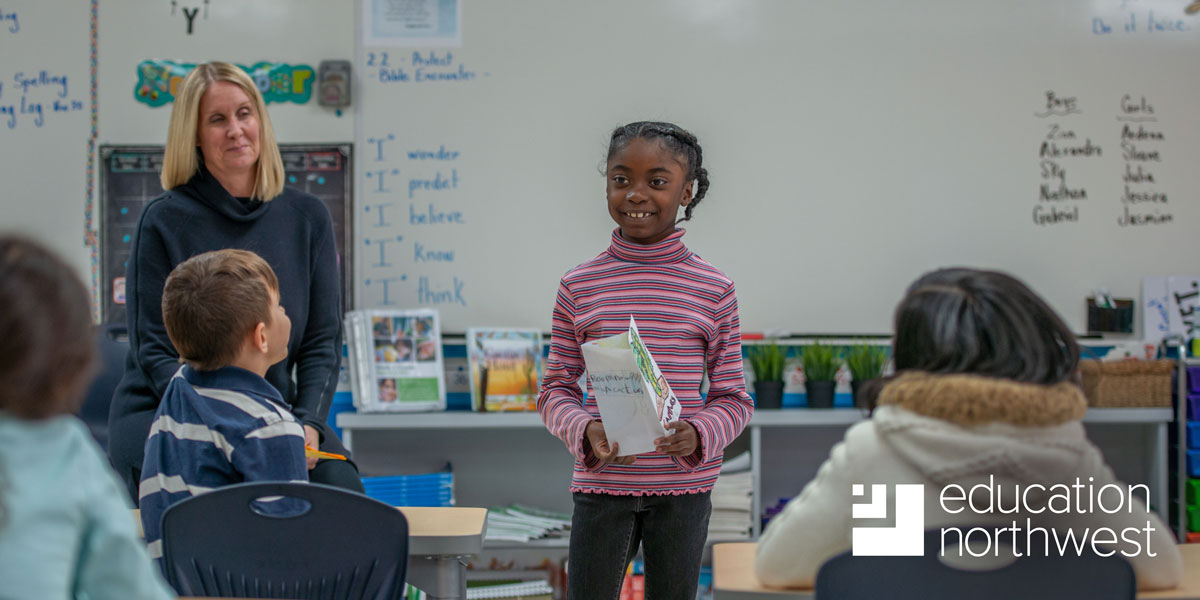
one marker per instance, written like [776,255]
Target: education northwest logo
[906,537]
[1023,512]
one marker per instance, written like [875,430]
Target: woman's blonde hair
[182,159]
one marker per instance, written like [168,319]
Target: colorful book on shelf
[505,368]
[396,360]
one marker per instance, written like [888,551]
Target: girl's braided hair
[679,140]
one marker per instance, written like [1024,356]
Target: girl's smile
[647,184]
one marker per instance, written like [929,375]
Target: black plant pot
[860,401]
[820,393]
[768,394]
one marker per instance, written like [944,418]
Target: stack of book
[536,589]
[732,499]
[425,489]
[520,523]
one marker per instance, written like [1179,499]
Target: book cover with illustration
[505,368]
[635,401]
[396,360]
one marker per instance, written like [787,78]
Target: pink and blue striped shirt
[686,311]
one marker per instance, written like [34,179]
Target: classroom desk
[439,539]
[733,576]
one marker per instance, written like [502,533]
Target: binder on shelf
[396,360]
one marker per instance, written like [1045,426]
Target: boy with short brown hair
[219,421]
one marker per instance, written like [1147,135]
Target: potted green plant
[767,361]
[865,362]
[821,364]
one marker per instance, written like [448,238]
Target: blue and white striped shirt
[215,428]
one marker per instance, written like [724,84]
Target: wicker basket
[1127,382]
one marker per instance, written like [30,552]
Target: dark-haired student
[220,422]
[65,525]
[985,393]
[688,318]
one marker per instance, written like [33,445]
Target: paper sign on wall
[1171,305]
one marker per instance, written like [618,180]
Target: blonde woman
[224,180]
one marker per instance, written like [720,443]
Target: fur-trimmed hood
[957,428]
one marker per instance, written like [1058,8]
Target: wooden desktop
[733,576]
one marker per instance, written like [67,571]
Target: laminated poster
[396,360]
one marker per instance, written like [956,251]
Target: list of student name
[411,196]
[1137,140]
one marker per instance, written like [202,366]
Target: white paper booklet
[635,400]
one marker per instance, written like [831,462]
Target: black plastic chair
[113,345]
[1031,577]
[343,545]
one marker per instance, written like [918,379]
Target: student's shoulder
[213,397]
[704,269]
[591,268]
[74,455]
[861,448]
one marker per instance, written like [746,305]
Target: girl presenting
[687,315]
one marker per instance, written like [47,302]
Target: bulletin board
[130,179]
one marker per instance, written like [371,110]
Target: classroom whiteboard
[851,146]
[45,128]
[79,63]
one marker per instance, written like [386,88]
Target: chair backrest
[345,545]
[113,346]
[1033,576]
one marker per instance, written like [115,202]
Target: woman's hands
[312,439]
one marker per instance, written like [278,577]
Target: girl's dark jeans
[606,531]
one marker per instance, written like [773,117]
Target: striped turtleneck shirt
[686,312]
[215,428]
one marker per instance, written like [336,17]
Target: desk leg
[348,438]
[439,576]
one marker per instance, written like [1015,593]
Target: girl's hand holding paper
[684,442]
[604,452]
[634,399]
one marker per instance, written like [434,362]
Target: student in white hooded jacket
[985,394]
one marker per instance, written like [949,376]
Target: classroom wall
[851,146]
[43,183]
[46,170]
